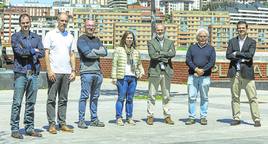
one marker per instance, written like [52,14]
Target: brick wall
[181,70]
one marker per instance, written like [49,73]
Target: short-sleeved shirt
[60,44]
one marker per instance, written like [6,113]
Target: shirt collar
[31,35]
[58,31]
[159,39]
[202,46]
[65,33]
[242,39]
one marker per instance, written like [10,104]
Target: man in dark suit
[161,50]
[240,51]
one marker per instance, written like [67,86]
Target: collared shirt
[161,42]
[25,57]
[60,44]
[241,43]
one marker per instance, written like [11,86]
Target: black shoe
[257,124]
[16,135]
[190,121]
[235,122]
[82,124]
[97,123]
[34,134]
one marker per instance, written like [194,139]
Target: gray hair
[202,30]
[165,30]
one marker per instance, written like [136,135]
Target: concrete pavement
[218,129]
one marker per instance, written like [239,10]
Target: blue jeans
[126,88]
[90,86]
[29,86]
[198,85]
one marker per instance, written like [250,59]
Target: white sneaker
[131,121]
[120,122]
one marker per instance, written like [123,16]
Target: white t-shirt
[128,71]
[60,44]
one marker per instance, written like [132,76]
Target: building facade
[142,32]
[118,4]
[34,9]
[10,24]
[189,22]
[221,34]
[106,18]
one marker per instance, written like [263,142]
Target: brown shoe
[150,120]
[52,129]
[65,128]
[257,123]
[203,121]
[168,120]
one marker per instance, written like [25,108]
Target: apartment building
[106,18]
[34,9]
[167,6]
[89,2]
[118,4]
[10,23]
[254,13]
[189,22]
[142,32]
[220,35]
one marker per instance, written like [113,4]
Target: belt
[29,72]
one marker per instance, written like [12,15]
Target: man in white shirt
[60,62]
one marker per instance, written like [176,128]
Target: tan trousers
[249,85]
[154,83]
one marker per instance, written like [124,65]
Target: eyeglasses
[90,26]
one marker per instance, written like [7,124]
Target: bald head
[90,27]
[89,23]
[160,26]
[160,31]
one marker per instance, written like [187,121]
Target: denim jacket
[25,56]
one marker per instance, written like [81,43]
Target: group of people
[58,48]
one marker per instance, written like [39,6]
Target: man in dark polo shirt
[200,59]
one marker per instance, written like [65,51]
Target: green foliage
[143,97]
[2,5]
[182,48]
[168,18]
[109,46]
[265,4]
